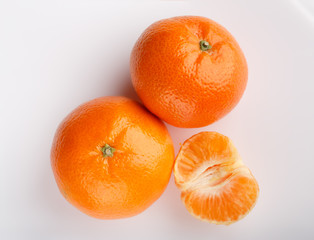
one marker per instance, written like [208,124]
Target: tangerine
[188,70]
[215,184]
[111,158]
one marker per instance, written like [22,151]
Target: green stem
[107,150]
[204,45]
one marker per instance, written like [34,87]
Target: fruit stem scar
[108,150]
[204,45]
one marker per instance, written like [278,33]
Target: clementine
[215,184]
[111,158]
[188,70]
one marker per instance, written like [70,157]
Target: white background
[55,55]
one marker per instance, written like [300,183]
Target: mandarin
[215,184]
[188,70]
[111,158]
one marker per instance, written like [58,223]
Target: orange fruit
[215,185]
[188,70]
[111,158]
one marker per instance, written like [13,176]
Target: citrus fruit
[188,70]
[215,185]
[111,158]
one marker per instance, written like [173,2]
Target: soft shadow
[119,84]
[127,89]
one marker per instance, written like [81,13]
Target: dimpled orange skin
[180,83]
[126,183]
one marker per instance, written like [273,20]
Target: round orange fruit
[188,70]
[215,184]
[111,158]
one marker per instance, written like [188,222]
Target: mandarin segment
[203,153]
[215,184]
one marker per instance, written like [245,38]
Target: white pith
[204,178]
